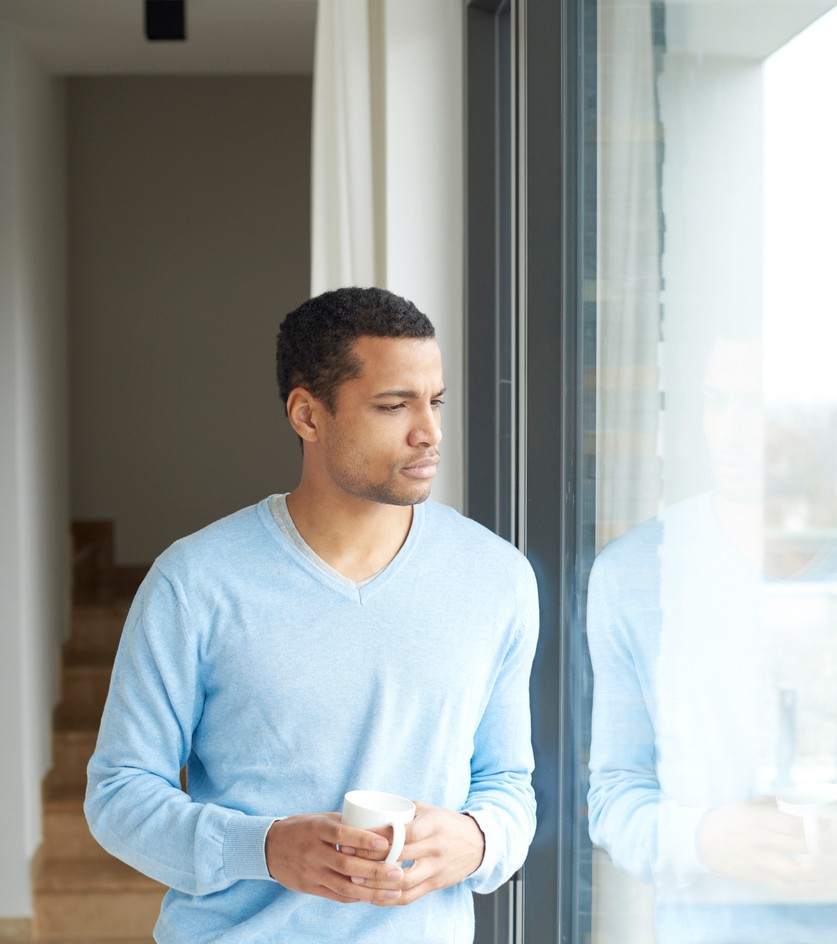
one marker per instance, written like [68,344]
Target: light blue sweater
[282,688]
[689,651]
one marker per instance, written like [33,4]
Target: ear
[303,413]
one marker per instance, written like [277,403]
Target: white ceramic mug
[816,803]
[371,809]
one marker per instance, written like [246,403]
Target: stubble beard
[384,493]
[352,478]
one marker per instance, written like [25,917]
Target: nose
[427,431]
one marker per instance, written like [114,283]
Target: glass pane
[711,614]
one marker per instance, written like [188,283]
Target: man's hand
[445,847]
[301,854]
[753,842]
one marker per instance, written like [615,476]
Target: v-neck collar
[359,595]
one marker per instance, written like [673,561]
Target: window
[671,223]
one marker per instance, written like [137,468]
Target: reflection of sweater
[283,688]
[688,673]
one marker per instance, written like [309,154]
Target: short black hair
[315,344]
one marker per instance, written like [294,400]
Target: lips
[422,468]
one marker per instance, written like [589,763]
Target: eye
[713,400]
[437,403]
[392,407]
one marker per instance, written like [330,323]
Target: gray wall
[189,233]
[34,539]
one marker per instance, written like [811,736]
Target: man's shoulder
[444,517]
[635,556]
[456,530]
[473,563]
[223,540]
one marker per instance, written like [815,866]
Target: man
[350,634]
[706,625]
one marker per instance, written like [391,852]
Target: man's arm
[501,799]
[135,806]
[645,835]
[486,842]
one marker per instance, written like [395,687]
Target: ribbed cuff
[483,878]
[243,851]
[677,842]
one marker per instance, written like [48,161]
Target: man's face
[733,419]
[381,443]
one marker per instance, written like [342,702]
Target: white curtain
[347,166]
[629,472]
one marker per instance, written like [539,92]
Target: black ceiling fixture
[165,19]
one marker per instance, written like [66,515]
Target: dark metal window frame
[526,340]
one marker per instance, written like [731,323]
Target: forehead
[735,366]
[398,363]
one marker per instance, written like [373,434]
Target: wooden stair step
[15,930]
[71,750]
[74,876]
[67,836]
[74,655]
[65,829]
[92,899]
[87,939]
[112,613]
[103,652]
[95,631]
[59,795]
[69,717]
[85,685]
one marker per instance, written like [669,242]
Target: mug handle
[399,835]
[812,834]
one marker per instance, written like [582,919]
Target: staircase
[82,895]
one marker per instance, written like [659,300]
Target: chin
[404,498]
[390,496]
[741,493]
[420,499]
[408,499]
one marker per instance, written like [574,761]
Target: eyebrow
[404,394]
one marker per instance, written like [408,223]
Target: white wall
[34,542]
[189,242]
[712,186]
[424,194]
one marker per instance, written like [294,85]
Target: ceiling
[106,37]
[740,29]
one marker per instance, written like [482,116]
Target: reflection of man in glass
[712,634]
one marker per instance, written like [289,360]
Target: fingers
[339,888]
[349,878]
[375,849]
[419,880]
[444,846]
[808,877]
[363,852]
[799,876]
[301,854]
[362,842]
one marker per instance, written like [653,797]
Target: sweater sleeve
[501,798]
[134,805]
[646,834]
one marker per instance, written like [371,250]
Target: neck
[744,525]
[355,537]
